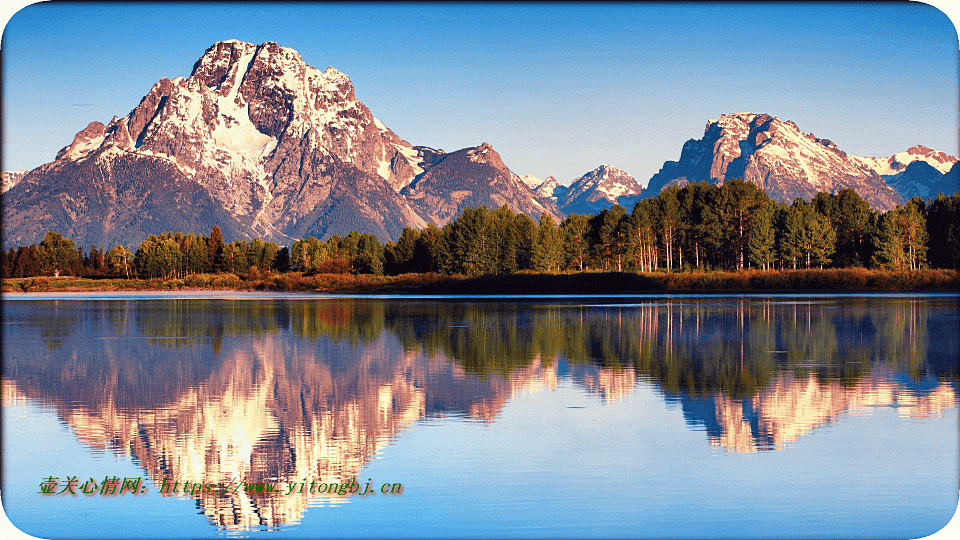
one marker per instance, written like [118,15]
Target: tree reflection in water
[280,390]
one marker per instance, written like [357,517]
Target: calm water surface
[683,416]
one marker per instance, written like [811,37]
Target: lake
[269,415]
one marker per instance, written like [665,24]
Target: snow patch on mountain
[11,178]
[775,155]
[531,181]
[898,162]
[599,189]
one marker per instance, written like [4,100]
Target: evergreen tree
[738,202]
[762,243]
[888,242]
[641,247]
[523,233]
[502,241]
[399,255]
[790,233]
[698,202]
[369,256]
[547,246]
[9,262]
[823,239]
[215,248]
[609,237]
[943,231]
[427,250]
[853,228]
[466,249]
[197,255]
[575,233]
[282,261]
[670,224]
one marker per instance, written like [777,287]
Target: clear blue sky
[556,89]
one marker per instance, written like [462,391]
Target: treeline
[167,255]
[697,227]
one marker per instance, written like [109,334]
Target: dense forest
[698,227]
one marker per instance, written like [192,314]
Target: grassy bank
[853,279]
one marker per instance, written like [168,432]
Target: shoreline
[749,282]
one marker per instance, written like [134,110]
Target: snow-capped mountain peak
[898,162]
[774,154]
[531,181]
[263,144]
[598,189]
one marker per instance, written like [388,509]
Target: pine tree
[738,202]
[608,237]
[466,244]
[426,251]
[399,255]
[943,231]
[790,234]
[642,246]
[853,228]
[824,240]
[369,257]
[761,245]
[547,246]
[670,223]
[215,250]
[574,232]
[197,255]
[888,242]
[523,233]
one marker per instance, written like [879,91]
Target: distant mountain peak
[599,189]
[775,155]
[888,166]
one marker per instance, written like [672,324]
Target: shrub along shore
[746,281]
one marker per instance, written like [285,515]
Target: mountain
[531,181]
[261,144]
[918,172]
[551,189]
[898,162]
[600,189]
[468,178]
[775,155]
[10,179]
[920,179]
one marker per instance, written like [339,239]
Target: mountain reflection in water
[282,390]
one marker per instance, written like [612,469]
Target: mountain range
[261,144]
[788,163]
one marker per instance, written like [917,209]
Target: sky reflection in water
[682,416]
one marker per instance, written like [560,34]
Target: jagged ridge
[282,148]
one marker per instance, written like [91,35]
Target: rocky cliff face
[468,178]
[777,156]
[10,179]
[261,144]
